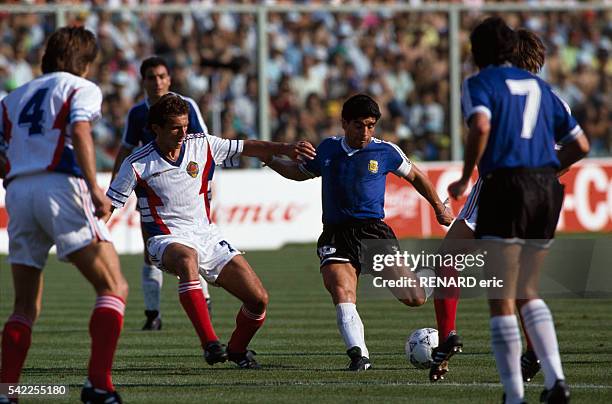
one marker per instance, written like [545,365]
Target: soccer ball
[419,346]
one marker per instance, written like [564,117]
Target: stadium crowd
[316,60]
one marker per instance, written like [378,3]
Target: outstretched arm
[288,169]
[424,187]
[265,151]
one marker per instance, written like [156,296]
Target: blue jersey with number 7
[527,118]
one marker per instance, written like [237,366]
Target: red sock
[446,300]
[104,328]
[247,324]
[527,339]
[194,304]
[16,340]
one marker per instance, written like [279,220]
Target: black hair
[493,42]
[360,106]
[153,61]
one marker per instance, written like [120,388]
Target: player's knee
[260,301]
[414,301]
[185,265]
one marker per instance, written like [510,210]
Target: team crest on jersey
[193,169]
[373,166]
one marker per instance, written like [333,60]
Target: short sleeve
[196,122]
[123,185]
[130,138]
[396,161]
[225,152]
[312,168]
[86,104]
[475,97]
[566,127]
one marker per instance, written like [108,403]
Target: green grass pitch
[299,347]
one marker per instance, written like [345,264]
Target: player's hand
[101,202]
[457,188]
[445,216]
[302,150]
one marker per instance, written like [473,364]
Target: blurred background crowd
[316,60]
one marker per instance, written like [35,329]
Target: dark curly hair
[493,42]
[168,105]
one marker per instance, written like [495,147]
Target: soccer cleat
[244,360]
[153,322]
[215,352]
[358,363]
[559,394]
[91,395]
[530,365]
[442,354]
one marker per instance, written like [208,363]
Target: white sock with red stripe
[351,327]
[104,328]
[247,324]
[152,281]
[194,304]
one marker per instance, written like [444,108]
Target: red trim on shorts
[61,123]
[205,180]
[153,201]
[87,204]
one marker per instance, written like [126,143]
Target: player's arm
[128,142]
[84,150]
[265,151]
[289,169]
[423,185]
[478,136]
[572,152]
[121,187]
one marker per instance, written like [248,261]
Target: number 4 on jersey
[32,113]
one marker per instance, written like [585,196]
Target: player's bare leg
[340,280]
[540,326]
[17,333]
[239,279]
[99,263]
[182,261]
[502,263]
[459,239]
[410,296]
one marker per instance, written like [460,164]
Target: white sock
[204,287]
[506,343]
[541,329]
[351,327]
[152,281]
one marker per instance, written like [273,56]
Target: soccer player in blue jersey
[353,169]
[529,55]
[514,122]
[156,81]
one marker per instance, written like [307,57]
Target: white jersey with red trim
[36,121]
[174,196]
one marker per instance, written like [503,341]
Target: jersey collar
[178,161]
[348,149]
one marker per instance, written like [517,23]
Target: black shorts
[520,204]
[342,243]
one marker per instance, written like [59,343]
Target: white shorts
[469,212]
[46,209]
[214,252]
